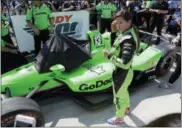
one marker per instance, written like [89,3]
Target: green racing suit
[125,46]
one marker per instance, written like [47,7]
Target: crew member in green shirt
[5,35]
[106,8]
[39,18]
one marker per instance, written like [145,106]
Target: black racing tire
[165,63]
[20,105]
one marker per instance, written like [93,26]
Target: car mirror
[57,67]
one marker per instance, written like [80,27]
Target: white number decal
[97,40]
[97,69]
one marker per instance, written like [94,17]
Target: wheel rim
[10,123]
[167,63]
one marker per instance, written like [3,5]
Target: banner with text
[74,23]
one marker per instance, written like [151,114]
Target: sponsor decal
[60,19]
[29,69]
[97,69]
[98,84]
[63,25]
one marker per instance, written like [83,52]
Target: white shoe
[115,121]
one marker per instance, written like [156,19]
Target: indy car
[78,67]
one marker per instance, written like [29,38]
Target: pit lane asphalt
[148,102]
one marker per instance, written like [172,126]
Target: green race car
[77,65]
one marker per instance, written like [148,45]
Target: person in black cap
[107,9]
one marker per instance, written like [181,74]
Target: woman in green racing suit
[125,45]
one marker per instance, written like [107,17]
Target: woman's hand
[36,31]
[113,26]
[106,53]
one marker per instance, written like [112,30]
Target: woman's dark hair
[125,14]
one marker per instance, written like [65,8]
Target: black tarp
[61,49]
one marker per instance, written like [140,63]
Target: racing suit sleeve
[127,50]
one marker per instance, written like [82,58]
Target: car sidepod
[93,75]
